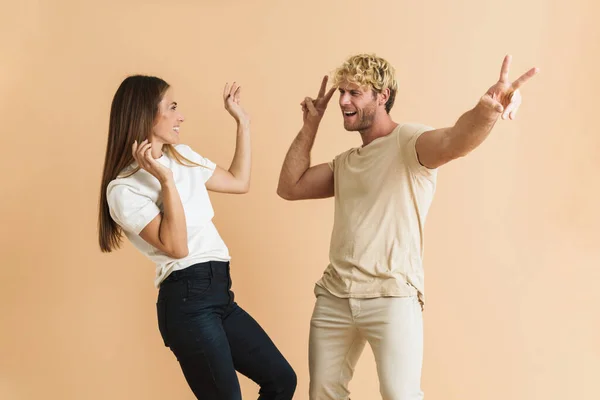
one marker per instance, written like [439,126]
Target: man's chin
[350,128]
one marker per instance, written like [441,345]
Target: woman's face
[167,122]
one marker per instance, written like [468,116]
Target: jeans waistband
[200,269]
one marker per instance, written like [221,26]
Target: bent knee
[283,384]
[322,389]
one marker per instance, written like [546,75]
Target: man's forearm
[297,159]
[471,129]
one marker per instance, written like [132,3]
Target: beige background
[511,256]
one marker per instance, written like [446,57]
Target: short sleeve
[332,164]
[206,165]
[130,210]
[407,141]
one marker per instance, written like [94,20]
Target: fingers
[505,69]
[236,94]
[488,101]
[233,91]
[151,162]
[140,150]
[323,86]
[308,104]
[143,155]
[226,91]
[135,148]
[329,94]
[144,146]
[304,107]
[511,109]
[311,107]
[524,78]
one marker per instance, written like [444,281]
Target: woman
[154,190]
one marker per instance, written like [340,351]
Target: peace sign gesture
[314,109]
[504,97]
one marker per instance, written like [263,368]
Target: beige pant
[339,329]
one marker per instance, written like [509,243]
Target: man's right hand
[314,109]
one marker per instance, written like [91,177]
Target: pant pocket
[198,287]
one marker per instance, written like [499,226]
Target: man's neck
[379,129]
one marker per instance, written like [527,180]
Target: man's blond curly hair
[368,70]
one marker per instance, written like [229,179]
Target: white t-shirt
[136,200]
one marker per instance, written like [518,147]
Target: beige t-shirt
[382,196]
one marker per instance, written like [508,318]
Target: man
[372,289]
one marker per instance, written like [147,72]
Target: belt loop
[212,270]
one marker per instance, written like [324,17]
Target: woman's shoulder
[131,179]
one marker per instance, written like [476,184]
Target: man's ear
[384,96]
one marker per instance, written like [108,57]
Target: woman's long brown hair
[132,114]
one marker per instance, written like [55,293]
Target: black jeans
[212,337]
